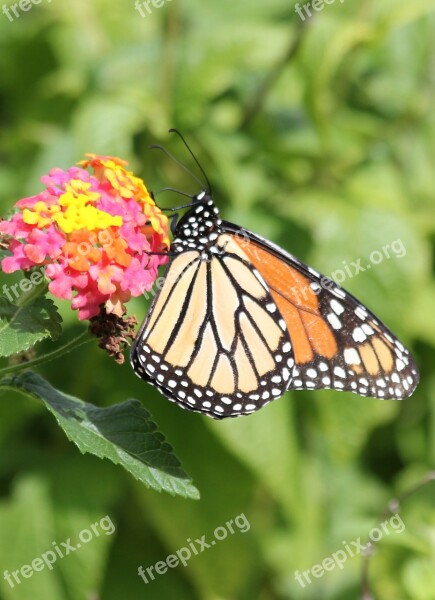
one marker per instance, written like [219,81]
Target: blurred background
[316,132]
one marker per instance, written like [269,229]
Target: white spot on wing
[334,321]
[338,292]
[339,372]
[351,356]
[359,335]
[361,313]
[367,329]
[337,307]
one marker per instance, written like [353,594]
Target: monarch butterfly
[238,321]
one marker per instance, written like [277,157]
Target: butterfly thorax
[199,228]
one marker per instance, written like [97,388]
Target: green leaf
[123,433]
[22,326]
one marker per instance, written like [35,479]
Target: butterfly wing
[213,340]
[337,342]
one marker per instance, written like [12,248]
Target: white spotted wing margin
[213,341]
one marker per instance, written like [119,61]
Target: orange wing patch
[336,342]
[298,304]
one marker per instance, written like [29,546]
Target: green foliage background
[319,135]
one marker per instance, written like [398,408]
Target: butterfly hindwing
[213,340]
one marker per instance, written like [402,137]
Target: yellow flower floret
[158,222]
[80,187]
[80,215]
[40,215]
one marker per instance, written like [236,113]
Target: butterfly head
[200,225]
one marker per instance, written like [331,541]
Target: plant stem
[83,338]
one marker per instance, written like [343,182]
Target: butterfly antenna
[171,189]
[172,208]
[180,164]
[172,130]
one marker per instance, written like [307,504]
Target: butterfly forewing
[213,340]
[337,342]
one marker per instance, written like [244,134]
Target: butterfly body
[239,321]
[199,228]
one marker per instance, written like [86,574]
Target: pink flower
[93,232]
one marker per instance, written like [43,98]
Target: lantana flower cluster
[93,233]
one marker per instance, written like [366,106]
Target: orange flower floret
[81,251]
[123,182]
[116,252]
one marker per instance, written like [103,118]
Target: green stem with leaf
[83,338]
